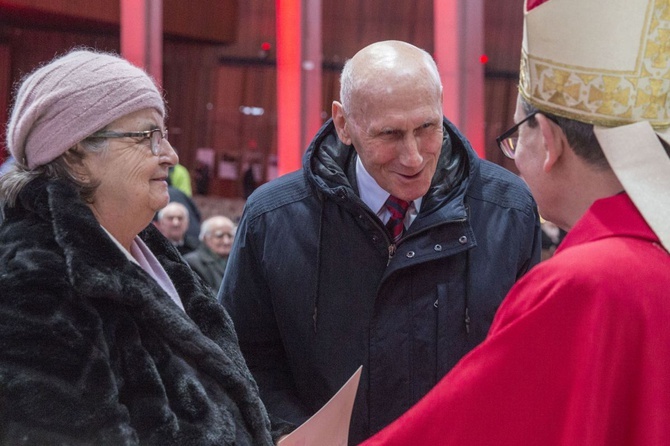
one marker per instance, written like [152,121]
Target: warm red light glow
[288,85]
[458,28]
[265,46]
[142,35]
[484,59]
[133,35]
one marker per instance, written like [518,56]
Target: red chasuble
[578,354]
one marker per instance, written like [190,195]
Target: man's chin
[409,194]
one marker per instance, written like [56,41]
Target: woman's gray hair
[19,176]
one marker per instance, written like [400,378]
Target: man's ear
[554,141]
[340,121]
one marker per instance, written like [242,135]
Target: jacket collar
[614,216]
[207,255]
[98,271]
[330,165]
[91,257]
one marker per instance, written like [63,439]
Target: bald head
[173,207]
[383,68]
[218,233]
[391,114]
[172,221]
[216,223]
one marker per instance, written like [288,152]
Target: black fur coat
[93,351]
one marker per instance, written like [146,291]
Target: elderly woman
[106,337]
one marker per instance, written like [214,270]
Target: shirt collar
[371,193]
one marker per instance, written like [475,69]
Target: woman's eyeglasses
[155,136]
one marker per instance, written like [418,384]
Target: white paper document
[330,425]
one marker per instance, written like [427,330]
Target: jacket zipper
[392,249]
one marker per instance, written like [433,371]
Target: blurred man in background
[209,260]
[173,221]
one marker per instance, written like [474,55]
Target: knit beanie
[72,97]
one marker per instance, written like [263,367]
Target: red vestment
[578,353]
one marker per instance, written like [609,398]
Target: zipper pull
[391,253]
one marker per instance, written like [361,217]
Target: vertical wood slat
[5,88]
[213,21]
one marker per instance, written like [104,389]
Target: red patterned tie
[397,208]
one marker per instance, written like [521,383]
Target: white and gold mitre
[607,63]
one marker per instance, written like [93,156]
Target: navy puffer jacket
[314,294]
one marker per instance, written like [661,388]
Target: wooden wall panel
[5,85]
[213,21]
[204,94]
[503,24]
[238,137]
[501,97]
[257,24]
[33,47]
[349,25]
[187,78]
[97,10]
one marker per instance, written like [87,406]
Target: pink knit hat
[72,97]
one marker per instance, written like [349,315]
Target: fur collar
[98,270]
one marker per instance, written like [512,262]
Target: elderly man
[324,277]
[173,221]
[579,351]
[209,260]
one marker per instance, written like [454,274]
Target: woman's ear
[554,140]
[75,160]
[340,122]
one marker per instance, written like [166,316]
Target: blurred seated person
[107,337]
[209,260]
[173,222]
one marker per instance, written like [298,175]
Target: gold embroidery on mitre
[582,107]
[658,51]
[653,99]
[586,78]
[540,69]
[608,97]
[613,98]
[628,114]
[563,89]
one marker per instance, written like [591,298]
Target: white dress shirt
[374,196]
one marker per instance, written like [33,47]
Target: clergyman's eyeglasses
[508,140]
